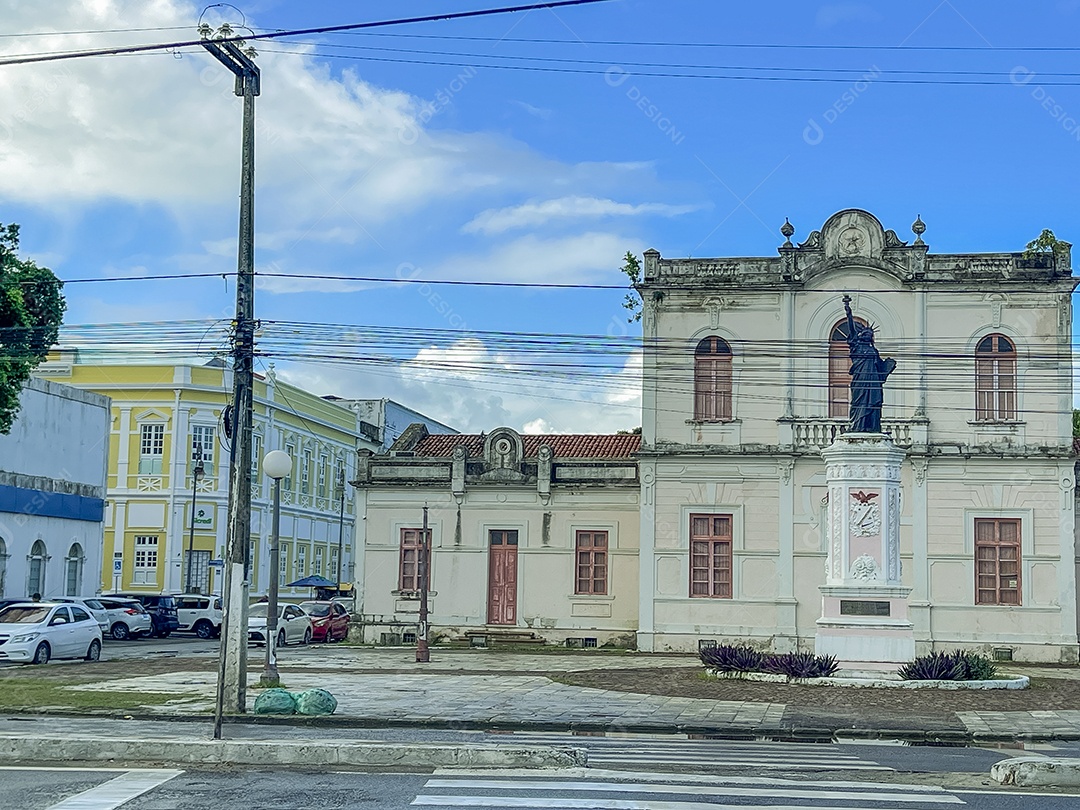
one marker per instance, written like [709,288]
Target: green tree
[1076,424]
[632,268]
[31,311]
[1046,242]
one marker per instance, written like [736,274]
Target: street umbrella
[313,581]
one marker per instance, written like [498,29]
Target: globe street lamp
[277,464]
[197,474]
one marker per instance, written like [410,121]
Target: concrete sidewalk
[490,690]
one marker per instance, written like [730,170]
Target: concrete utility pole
[232,663]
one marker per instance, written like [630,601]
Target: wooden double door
[502,576]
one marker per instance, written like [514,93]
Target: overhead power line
[326,29]
[1005,79]
[744,45]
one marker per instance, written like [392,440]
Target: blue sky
[128,166]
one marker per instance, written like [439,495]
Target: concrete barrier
[37,749]
[1037,772]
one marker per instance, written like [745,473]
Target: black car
[162,610]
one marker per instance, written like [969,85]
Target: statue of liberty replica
[868,374]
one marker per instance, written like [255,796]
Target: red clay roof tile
[580,445]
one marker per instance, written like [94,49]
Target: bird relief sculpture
[865,515]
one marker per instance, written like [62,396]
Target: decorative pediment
[152,415]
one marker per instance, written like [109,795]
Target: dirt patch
[88,672]
[1043,694]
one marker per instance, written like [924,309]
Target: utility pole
[341,526]
[422,653]
[232,662]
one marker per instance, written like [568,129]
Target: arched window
[3,565]
[35,565]
[712,380]
[995,379]
[73,571]
[839,367]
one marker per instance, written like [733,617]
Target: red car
[329,620]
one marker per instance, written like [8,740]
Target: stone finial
[918,227]
[787,229]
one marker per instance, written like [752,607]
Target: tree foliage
[632,269]
[1046,242]
[31,311]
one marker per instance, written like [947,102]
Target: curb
[1031,772]
[824,733]
[18,748]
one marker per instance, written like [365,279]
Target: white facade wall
[764,467]
[52,486]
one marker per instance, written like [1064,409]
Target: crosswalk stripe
[728,791]
[679,780]
[679,752]
[653,740]
[748,763]
[598,804]
[116,792]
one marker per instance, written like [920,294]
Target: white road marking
[598,804]
[684,779]
[116,792]
[893,795]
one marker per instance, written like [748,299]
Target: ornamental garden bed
[960,669]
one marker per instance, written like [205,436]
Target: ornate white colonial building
[745,383]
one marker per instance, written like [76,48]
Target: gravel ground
[1043,694]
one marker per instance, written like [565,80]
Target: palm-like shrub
[959,665]
[801,665]
[729,658]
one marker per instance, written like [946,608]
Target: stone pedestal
[864,605]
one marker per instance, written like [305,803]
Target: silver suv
[199,614]
[127,618]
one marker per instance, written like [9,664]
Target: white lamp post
[277,464]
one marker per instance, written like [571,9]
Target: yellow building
[166,418]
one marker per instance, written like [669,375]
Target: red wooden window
[839,370]
[409,561]
[592,562]
[997,561]
[995,379]
[710,556]
[712,380]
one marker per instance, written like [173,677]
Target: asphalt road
[580,789]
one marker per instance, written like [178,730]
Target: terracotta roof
[573,445]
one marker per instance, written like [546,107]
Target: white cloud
[562,260]
[333,151]
[474,389]
[542,113]
[536,213]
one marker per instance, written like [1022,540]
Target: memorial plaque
[855,607]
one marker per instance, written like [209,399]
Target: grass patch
[35,694]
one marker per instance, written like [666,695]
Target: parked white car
[34,632]
[199,614]
[127,618]
[294,626]
[92,606]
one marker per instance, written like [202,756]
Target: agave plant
[937,666]
[729,658]
[801,665]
